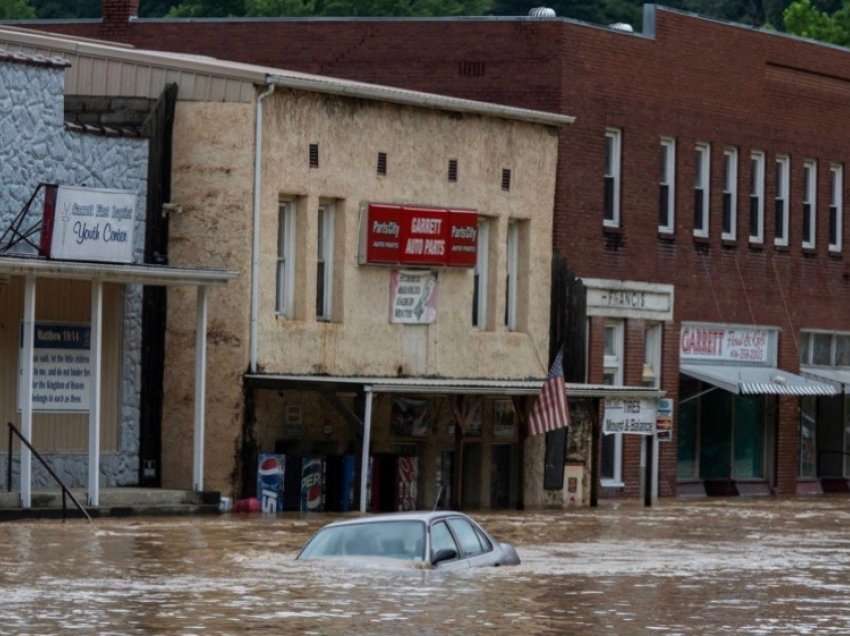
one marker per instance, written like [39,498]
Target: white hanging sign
[413,297]
[631,416]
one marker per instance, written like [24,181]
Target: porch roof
[839,377]
[755,380]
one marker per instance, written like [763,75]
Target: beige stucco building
[275,176]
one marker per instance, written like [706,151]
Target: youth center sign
[418,236]
[88,224]
[62,373]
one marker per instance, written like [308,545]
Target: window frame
[757,180]
[462,553]
[431,553]
[653,338]
[512,270]
[810,198]
[730,177]
[809,334]
[836,200]
[781,197]
[702,182]
[480,280]
[668,180]
[285,262]
[325,213]
[615,480]
[616,136]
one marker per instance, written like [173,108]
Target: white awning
[838,377]
[752,380]
[445,386]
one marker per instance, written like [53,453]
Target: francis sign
[88,224]
[429,237]
[62,372]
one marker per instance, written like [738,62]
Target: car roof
[424,516]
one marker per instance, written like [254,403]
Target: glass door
[748,438]
[808,438]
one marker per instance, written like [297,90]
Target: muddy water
[716,567]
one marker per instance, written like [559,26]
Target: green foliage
[16,10]
[273,8]
[805,19]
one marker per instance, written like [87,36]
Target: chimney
[116,16]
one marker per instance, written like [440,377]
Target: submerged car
[444,540]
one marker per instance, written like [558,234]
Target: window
[466,537]
[479,291]
[836,206]
[808,446]
[810,189]
[651,373]
[611,465]
[284,297]
[441,539]
[702,176]
[667,187]
[824,349]
[783,174]
[756,196]
[512,258]
[730,194]
[324,262]
[613,146]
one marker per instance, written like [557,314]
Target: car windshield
[391,539]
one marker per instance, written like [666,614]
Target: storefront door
[471,490]
[830,436]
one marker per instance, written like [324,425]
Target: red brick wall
[695,80]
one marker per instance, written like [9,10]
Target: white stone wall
[35,148]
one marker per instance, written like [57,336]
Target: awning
[751,380]
[442,386]
[839,377]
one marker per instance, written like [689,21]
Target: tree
[805,19]
[342,8]
[16,10]
[62,9]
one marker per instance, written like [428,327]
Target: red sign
[397,235]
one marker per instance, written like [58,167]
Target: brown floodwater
[771,566]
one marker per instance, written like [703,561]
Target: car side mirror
[444,555]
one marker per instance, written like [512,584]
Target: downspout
[255,228]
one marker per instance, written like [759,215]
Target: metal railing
[66,492]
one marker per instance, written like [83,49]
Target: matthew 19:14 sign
[61,370]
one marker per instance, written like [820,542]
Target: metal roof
[839,377]
[445,386]
[113,273]
[753,380]
[174,64]
[18,57]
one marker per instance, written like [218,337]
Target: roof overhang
[839,377]
[114,272]
[439,386]
[755,380]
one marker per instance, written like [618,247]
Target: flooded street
[724,566]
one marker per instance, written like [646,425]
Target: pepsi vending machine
[312,484]
[270,473]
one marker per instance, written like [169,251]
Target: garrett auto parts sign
[409,235]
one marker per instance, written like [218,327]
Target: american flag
[550,411]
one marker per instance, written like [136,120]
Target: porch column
[364,456]
[94,399]
[200,389]
[26,390]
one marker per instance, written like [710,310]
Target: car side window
[466,536]
[485,542]
[441,539]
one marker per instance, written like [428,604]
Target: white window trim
[812,187]
[285,302]
[731,153]
[653,336]
[670,168]
[328,244]
[833,347]
[785,166]
[837,202]
[482,258]
[617,135]
[758,156]
[512,255]
[619,342]
[705,149]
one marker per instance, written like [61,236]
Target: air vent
[452,169]
[506,179]
[314,155]
[382,163]
[471,69]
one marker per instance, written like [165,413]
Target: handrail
[66,492]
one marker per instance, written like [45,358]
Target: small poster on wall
[413,297]
[664,420]
[411,417]
[61,367]
[503,420]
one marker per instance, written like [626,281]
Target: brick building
[700,196]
